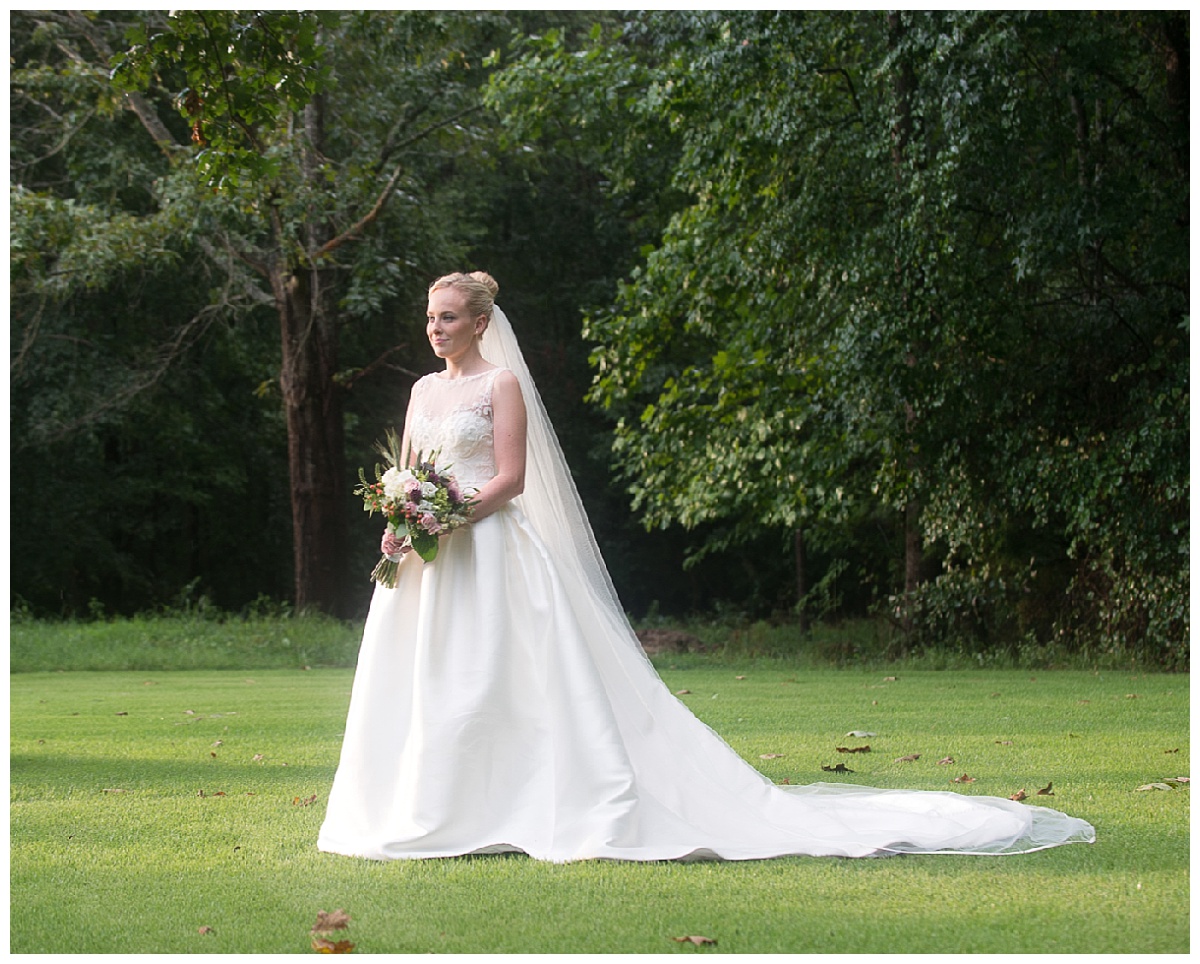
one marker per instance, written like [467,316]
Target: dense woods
[837,313]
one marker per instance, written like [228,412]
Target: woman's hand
[390,546]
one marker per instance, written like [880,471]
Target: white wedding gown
[493,711]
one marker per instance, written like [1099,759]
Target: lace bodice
[452,417]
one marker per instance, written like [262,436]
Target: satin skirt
[487,716]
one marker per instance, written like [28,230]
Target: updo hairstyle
[479,287]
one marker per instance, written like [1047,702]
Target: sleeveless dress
[487,716]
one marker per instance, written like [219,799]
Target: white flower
[428,490]
[393,482]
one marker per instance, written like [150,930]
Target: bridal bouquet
[420,503]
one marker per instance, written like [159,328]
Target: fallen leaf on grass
[853,749]
[114,790]
[219,743]
[963,779]
[122,712]
[1168,784]
[786,781]
[694,939]
[322,946]
[1176,750]
[326,924]
[1019,795]
[257,758]
[298,802]
[911,758]
[891,679]
[861,733]
[1005,742]
[840,768]
[739,677]
[1046,791]
[945,760]
[682,692]
[339,920]
[1131,696]
[204,930]
[770,756]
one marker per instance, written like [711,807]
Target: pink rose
[430,524]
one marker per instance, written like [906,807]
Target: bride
[502,702]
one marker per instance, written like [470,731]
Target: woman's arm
[508,424]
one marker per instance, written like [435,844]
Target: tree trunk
[1176,62]
[316,456]
[801,578]
[904,86]
[313,406]
[912,547]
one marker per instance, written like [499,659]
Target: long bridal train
[502,703]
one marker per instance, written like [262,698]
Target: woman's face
[448,323]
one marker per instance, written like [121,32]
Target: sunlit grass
[114,849]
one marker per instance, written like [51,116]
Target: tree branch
[137,102]
[826,71]
[352,233]
[61,145]
[223,72]
[349,381]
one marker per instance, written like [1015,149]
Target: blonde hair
[479,287]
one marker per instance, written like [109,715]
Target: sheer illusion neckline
[442,377]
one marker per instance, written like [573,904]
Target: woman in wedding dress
[502,702]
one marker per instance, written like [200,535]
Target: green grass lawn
[148,805]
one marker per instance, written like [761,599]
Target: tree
[935,260]
[260,95]
[139,457]
[319,175]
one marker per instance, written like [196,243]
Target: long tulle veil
[551,500]
[701,773]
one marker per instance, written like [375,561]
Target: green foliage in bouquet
[420,501]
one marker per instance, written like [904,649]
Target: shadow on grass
[39,776]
